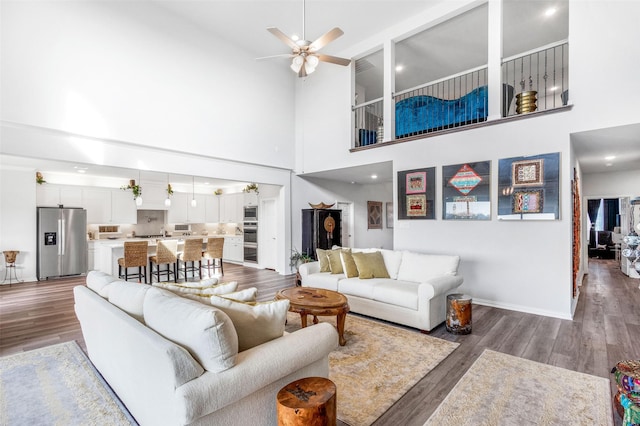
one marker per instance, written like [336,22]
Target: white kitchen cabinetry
[109,206]
[181,210]
[153,196]
[50,195]
[91,248]
[231,208]
[212,209]
[250,199]
[233,250]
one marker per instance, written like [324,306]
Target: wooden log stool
[458,314]
[310,402]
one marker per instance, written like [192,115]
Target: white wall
[612,185]
[17,209]
[132,72]
[313,190]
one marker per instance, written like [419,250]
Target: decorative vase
[526,102]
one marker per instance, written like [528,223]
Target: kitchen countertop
[153,240]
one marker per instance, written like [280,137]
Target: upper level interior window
[369,77]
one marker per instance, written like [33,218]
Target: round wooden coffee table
[317,302]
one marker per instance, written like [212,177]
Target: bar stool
[214,252]
[167,253]
[135,254]
[192,253]
[10,266]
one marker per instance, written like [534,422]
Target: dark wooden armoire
[321,228]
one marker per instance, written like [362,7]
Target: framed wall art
[374,214]
[416,194]
[466,191]
[529,187]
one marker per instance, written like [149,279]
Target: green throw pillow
[348,265]
[370,265]
[335,262]
[323,259]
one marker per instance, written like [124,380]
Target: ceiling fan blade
[334,60]
[284,55]
[282,36]
[326,39]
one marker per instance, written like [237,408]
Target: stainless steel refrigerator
[62,242]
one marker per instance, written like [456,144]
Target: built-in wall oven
[250,229]
[250,213]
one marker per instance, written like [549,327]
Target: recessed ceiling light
[206,183]
[399,68]
[295,37]
[550,12]
[374,176]
[610,157]
[81,171]
[609,164]
[353,182]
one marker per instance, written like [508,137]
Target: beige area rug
[502,389]
[378,365]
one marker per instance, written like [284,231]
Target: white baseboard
[520,308]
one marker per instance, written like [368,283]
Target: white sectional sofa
[413,295]
[203,380]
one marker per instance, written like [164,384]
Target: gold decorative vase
[526,102]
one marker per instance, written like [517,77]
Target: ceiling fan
[305,53]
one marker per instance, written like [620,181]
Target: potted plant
[251,187]
[169,190]
[136,189]
[297,258]
[39,179]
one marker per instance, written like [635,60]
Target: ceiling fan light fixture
[296,63]
[310,64]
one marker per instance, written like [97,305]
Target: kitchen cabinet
[91,253]
[250,199]
[212,209]
[109,206]
[51,195]
[233,250]
[153,196]
[181,210]
[231,208]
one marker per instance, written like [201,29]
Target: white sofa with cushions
[175,361]
[399,286]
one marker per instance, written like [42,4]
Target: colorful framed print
[374,214]
[466,191]
[529,187]
[416,182]
[416,193]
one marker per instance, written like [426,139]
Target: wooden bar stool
[214,253]
[166,254]
[10,266]
[192,253]
[135,254]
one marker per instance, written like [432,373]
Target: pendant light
[139,197]
[167,202]
[193,192]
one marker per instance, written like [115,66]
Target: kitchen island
[107,252]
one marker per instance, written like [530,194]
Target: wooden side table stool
[307,402]
[458,314]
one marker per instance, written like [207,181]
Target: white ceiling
[244,23]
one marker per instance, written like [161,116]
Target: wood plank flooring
[605,330]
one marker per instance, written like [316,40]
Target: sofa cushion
[255,323]
[325,280]
[323,259]
[129,297]
[99,281]
[370,265]
[210,289]
[399,293]
[422,267]
[335,261]
[246,295]
[206,332]
[348,264]
[357,287]
[392,260]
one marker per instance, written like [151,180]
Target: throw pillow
[129,297]
[323,259]
[348,265]
[210,289]
[255,323]
[206,332]
[335,262]
[370,265]
[246,295]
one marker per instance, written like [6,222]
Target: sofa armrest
[309,268]
[439,285]
[256,368]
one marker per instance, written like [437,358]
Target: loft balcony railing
[368,119]
[451,102]
[540,77]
